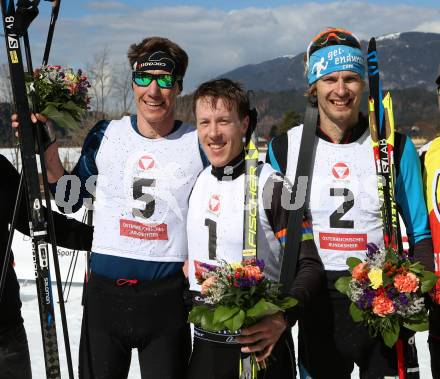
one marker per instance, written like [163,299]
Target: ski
[247,368]
[381,121]
[37,219]
[251,191]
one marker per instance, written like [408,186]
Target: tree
[5,84]
[122,88]
[100,76]
[290,119]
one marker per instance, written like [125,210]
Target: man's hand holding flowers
[261,337]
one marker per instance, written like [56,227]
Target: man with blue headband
[344,207]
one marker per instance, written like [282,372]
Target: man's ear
[245,124]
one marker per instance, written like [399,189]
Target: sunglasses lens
[142,80]
[165,81]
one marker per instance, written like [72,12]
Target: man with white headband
[344,208]
[144,166]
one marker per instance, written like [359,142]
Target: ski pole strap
[304,167]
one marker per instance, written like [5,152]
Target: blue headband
[335,58]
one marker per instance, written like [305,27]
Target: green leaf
[342,283]
[386,280]
[195,315]
[262,308]
[390,335]
[352,262]
[223,313]
[356,313]
[236,322]
[417,326]
[428,281]
[416,268]
[207,322]
[63,118]
[71,106]
[287,302]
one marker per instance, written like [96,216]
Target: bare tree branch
[100,77]
[122,87]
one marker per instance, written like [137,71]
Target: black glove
[47,134]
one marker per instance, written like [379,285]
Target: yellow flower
[235,265]
[375,276]
[70,77]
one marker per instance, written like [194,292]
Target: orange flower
[382,306]
[252,272]
[407,282]
[360,272]
[206,285]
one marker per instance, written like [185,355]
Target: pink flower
[406,282]
[207,284]
[360,272]
[382,305]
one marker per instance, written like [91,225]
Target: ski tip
[372,44]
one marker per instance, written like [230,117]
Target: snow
[289,56]
[68,155]
[74,316]
[388,36]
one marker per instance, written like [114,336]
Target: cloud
[105,5]
[218,41]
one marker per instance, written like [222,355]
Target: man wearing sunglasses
[145,166]
[344,208]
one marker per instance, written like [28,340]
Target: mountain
[406,60]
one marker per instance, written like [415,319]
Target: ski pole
[53,20]
[51,227]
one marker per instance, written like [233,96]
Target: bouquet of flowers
[387,292]
[236,295]
[62,94]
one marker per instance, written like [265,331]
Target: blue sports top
[114,267]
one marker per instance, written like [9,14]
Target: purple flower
[392,292]
[372,248]
[260,264]
[366,299]
[208,266]
[403,299]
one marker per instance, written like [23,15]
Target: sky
[218,35]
